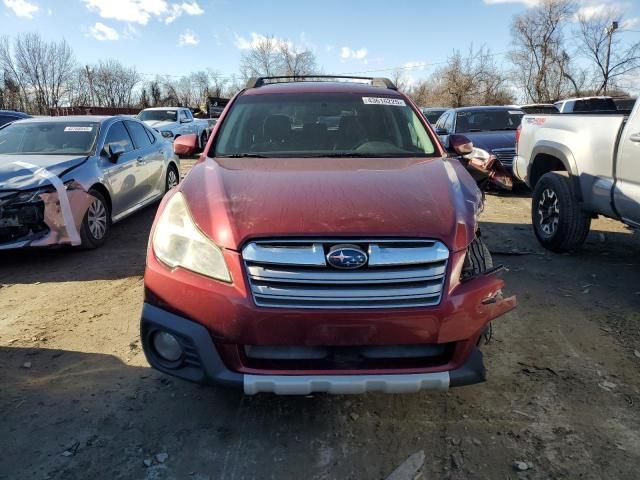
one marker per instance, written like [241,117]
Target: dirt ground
[78,400]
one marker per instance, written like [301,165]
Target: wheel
[478,259]
[173,178]
[203,140]
[96,223]
[558,221]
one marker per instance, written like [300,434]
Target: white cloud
[528,3]
[415,65]
[346,53]
[188,38]
[256,39]
[187,8]
[141,11]
[630,23]
[22,8]
[100,31]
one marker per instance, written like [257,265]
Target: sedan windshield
[158,115]
[488,120]
[322,125]
[49,138]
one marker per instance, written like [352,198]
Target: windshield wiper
[243,155]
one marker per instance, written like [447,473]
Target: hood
[490,140]
[233,200]
[14,176]
[159,123]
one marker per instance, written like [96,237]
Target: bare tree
[600,44]
[542,67]
[296,62]
[400,79]
[113,84]
[270,56]
[41,70]
[471,79]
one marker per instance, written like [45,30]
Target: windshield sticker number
[78,129]
[397,102]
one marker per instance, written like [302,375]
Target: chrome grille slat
[505,155]
[403,273]
[320,276]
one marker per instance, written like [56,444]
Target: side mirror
[186,120]
[114,150]
[442,131]
[185,145]
[460,144]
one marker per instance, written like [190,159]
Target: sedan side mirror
[185,145]
[186,120]
[114,150]
[460,144]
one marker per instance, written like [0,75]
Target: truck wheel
[558,221]
[478,259]
[96,223]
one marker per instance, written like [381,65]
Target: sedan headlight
[166,134]
[178,242]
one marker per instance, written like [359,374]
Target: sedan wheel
[172,178]
[96,222]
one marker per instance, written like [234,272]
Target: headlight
[479,153]
[167,134]
[178,242]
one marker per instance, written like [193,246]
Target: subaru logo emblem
[346,257]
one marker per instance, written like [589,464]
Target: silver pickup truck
[579,166]
[172,122]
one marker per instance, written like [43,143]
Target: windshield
[488,120]
[433,115]
[49,138]
[320,125]
[158,115]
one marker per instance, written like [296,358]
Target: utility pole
[610,29]
[91,84]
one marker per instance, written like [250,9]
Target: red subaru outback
[324,242]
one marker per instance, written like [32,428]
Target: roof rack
[255,82]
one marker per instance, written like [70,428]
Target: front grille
[505,155]
[295,274]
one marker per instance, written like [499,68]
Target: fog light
[167,346]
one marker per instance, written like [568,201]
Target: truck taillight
[518,137]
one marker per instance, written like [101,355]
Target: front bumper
[202,363]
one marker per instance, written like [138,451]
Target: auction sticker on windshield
[398,102]
[78,129]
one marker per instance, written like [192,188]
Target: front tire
[478,259]
[96,223]
[172,179]
[558,221]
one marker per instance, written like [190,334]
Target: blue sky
[178,36]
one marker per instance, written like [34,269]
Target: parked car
[434,113]
[65,180]
[587,104]
[8,116]
[539,108]
[493,133]
[173,122]
[296,258]
[579,166]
